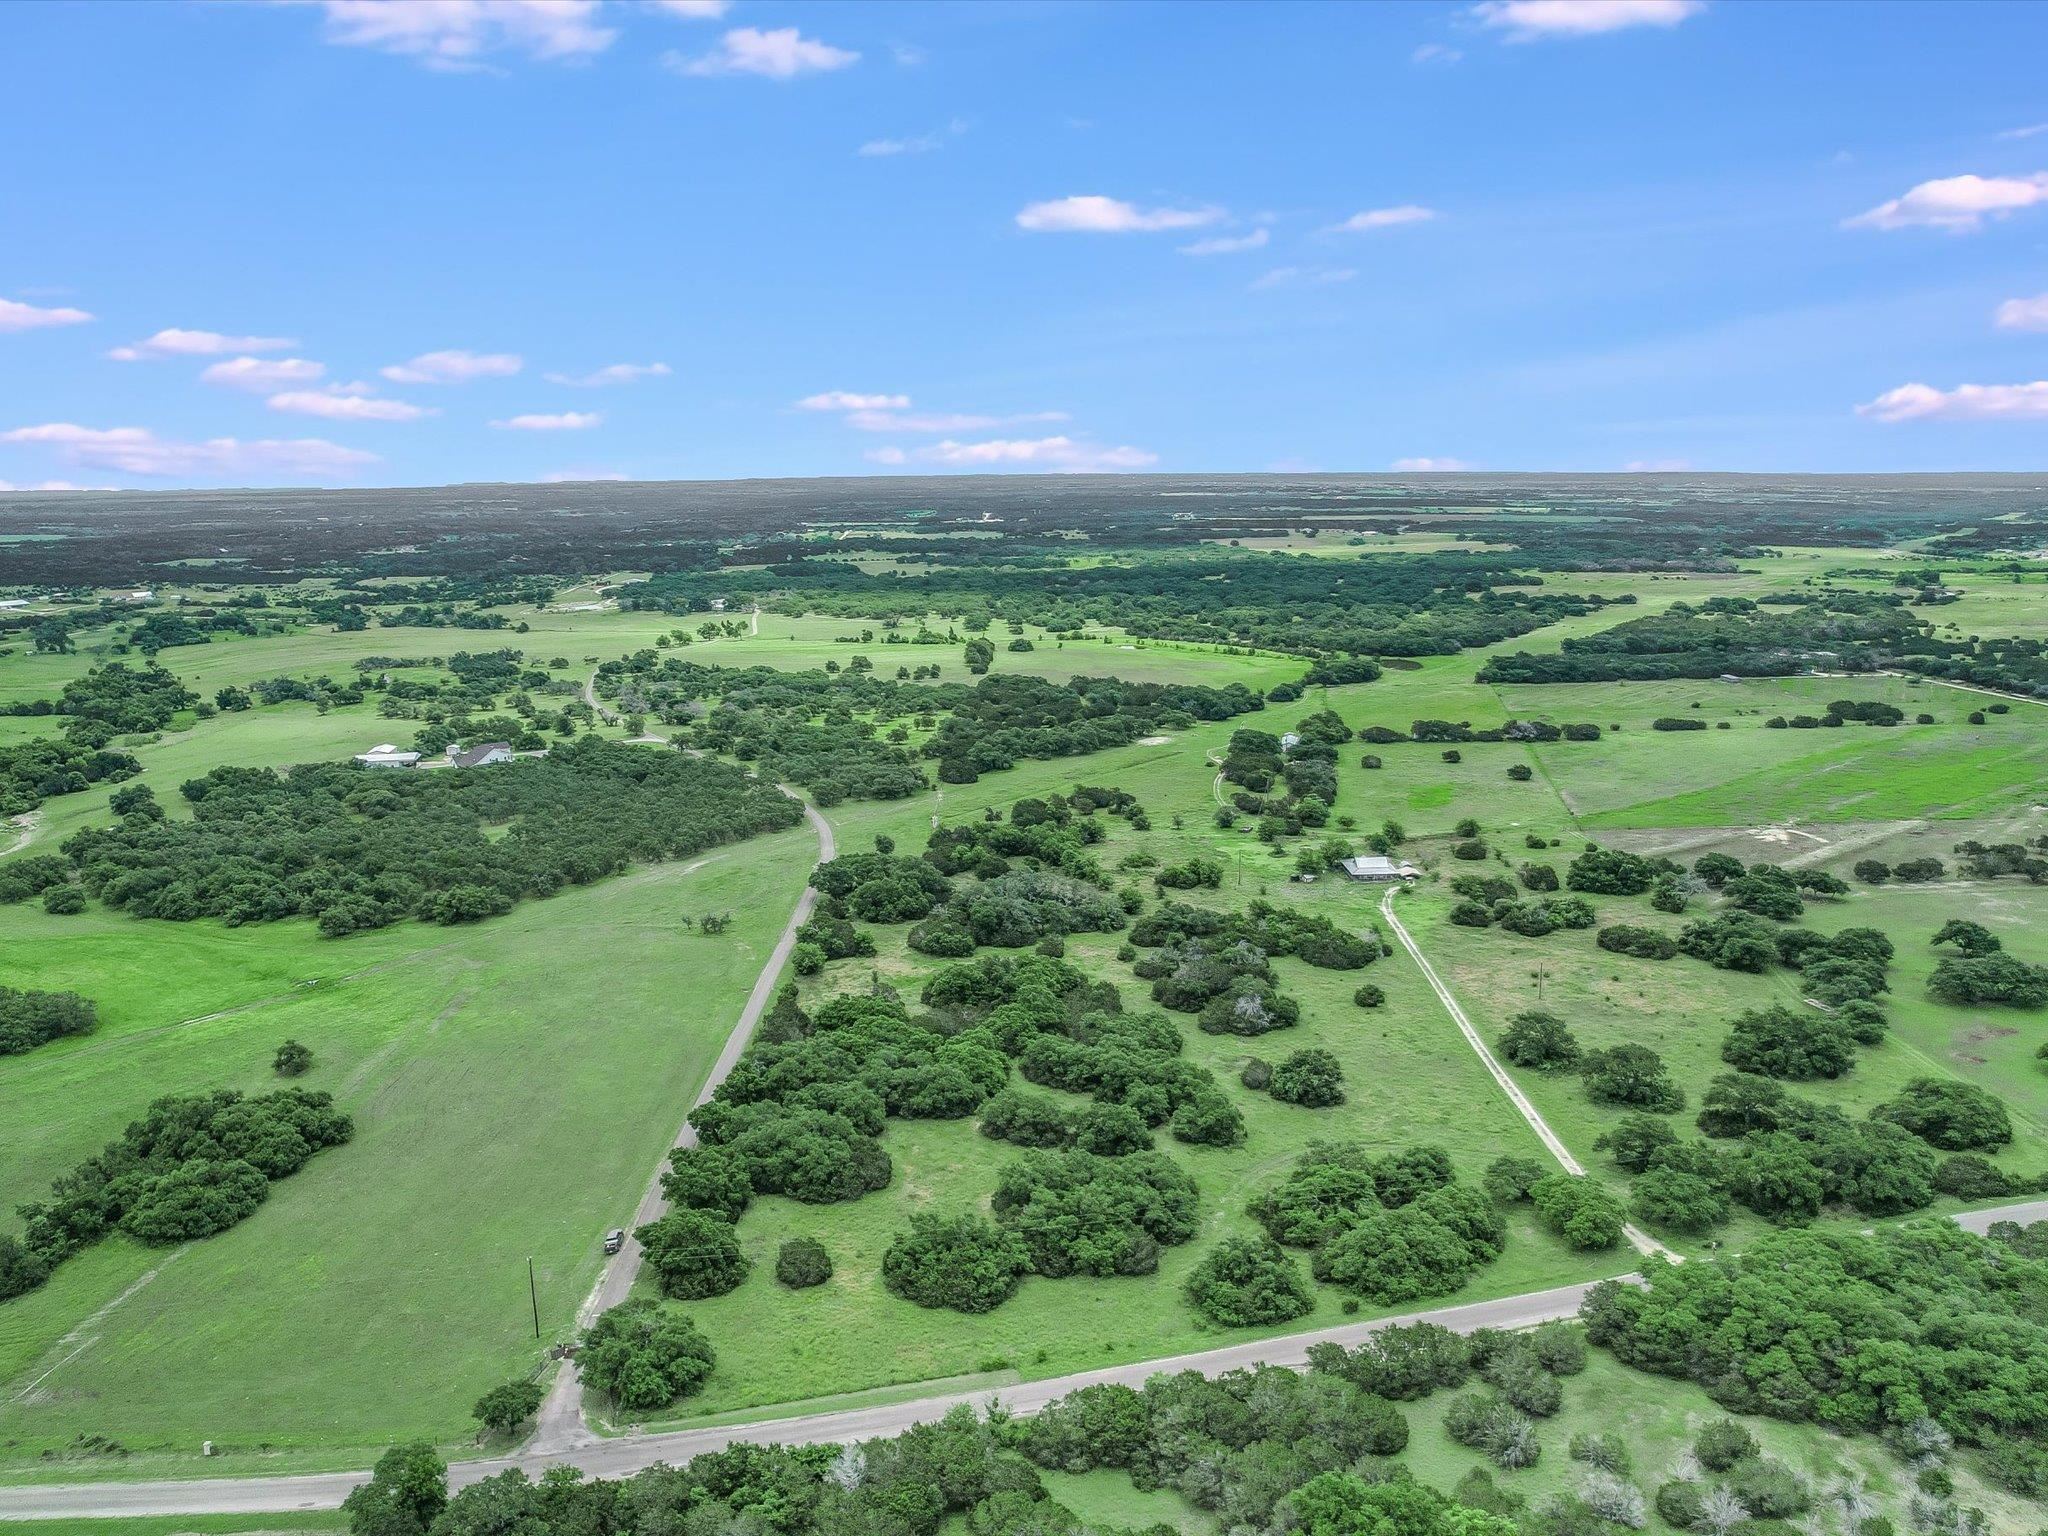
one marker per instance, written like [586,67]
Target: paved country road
[630,1453]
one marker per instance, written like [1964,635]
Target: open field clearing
[512,1085]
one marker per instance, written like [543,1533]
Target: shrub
[1024,1119]
[644,1355]
[1991,978]
[1110,1130]
[1635,1141]
[807,959]
[706,1178]
[1872,871]
[1579,1210]
[963,1262]
[1256,1074]
[1521,773]
[1610,872]
[1509,1179]
[505,1408]
[292,1059]
[1645,943]
[1631,1075]
[1311,1078]
[1247,1281]
[1539,1041]
[1208,1120]
[1469,848]
[802,1262]
[1956,1117]
[1369,996]
[693,1254]
[1778,1042]
[1722,1444]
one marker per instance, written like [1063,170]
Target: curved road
[559,1425]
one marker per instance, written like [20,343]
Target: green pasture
[513,1084]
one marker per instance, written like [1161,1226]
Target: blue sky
[386,242]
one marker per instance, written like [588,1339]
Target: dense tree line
[1728,636]
[29,1018]
[1881,1331]
[192,1166]
[1262,1451]
[363,848]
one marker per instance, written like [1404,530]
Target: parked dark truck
[614,1240]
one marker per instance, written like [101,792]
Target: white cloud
[561,421]
[262,373]
[572,476]
[614,373]
[1304,277]
[780,54]
[2025,314]
[1435,53]
[50,485]
[1384,218]
[454,367]
[1959,204]
[694,10]
[1097,215]
[1054,453]
[846,400]
[909,55]
[1224,245]
[2031,130]
[346,402]
[459,35]
[1429,465]
[138,451]
[1656,466]
[1525,21]
[177,343]
[17,316]
[923,144]
[894,421]
[1966,402]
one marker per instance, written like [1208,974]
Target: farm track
[560,1425]
[1640,1240]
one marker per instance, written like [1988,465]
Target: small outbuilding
[482,755]
[386,755]
[1378,869]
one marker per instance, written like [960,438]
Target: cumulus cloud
[1435,53]
[781,53]
[1042,453]
[454,367]
[1095,215]
[1429,465]
[139,451]
[49,485]
[613,373]
[461,35]
[1304,277]
[955,421]
[560,421]
[1369,219]
[180,343]
[2024,314]
[1966,402]
[921,144]
[1959,204]
[847,400]
[346,402]
[1224,245]
[1526,21]
[17,316]
[694,10]
[262,373]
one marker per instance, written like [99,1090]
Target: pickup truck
[614,1240]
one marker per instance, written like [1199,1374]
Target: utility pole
[533,1295]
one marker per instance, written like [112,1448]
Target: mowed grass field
[513,1086]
